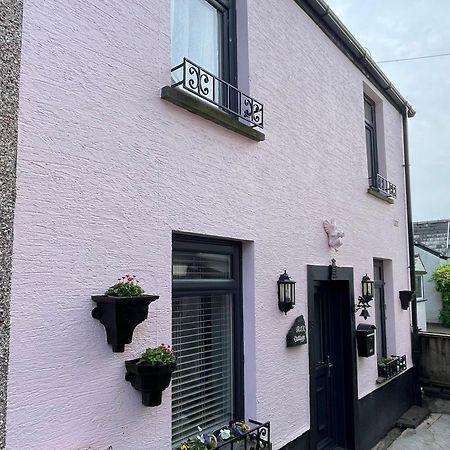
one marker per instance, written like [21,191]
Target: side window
[206,335]
[419,287]
[371,139]
[376,158]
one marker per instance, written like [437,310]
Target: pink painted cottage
[201,144]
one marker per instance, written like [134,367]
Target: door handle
[329,366]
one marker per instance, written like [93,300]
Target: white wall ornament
[334,235]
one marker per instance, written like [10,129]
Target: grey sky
[392,29]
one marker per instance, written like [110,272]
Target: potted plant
[391,366]
[123,306]
[151,373]
[236,435]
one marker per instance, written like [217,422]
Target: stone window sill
[204,109]
[376,193]
[382,380]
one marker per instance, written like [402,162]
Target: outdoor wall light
[367,296]
[286,293]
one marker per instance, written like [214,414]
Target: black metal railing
[209,87]
[384,186]
[257,438]
[389,367]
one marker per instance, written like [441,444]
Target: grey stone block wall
[10,44]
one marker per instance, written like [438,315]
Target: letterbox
[365,338]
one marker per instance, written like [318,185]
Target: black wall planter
[120,315]
[150,380]
[405,298]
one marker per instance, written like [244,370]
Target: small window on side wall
[377,182]
[371,139]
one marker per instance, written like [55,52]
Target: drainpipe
[415,343]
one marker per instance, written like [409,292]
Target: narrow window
[380,308]
[206,335]
[371,140]
[419,287]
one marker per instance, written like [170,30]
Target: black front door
[332,364]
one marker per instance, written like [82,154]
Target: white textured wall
[107,170]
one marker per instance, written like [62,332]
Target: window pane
[369,112]
[197,34]
[200,266]
[419,291]
[202,383]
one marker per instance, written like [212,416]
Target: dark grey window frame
[229,39]
[372,151]
[182,288]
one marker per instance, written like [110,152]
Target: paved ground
[432,434]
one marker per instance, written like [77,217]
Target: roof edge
[430,250]
[327,20]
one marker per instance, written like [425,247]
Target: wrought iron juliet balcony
[207,86]
[384,186]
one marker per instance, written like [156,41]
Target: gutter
[415,342]
[331,25]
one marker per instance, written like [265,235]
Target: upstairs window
[204,63]
[377,183]
[371,139]
[203,31]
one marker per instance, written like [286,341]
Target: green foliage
[441,277]
[383,362]
[159,356]
[128,286]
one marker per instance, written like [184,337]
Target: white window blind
[202,384]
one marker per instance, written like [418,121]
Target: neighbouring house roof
[321,13]
[433,234]
[418,265]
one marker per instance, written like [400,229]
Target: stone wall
[10,40]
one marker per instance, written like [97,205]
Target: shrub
[128,286]
[441,277]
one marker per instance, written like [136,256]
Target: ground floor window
[206,335]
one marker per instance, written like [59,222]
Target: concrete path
[432,434]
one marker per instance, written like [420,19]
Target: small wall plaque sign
[297,334]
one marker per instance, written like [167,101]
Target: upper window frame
[372,152]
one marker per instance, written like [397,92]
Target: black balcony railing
[384,186]
[204,84]
[257,438]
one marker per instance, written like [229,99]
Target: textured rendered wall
[10,34]
[107,170]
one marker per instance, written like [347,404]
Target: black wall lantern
[367,296]
[286,293]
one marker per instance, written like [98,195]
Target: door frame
[329,273]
